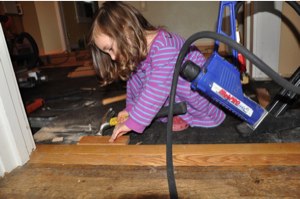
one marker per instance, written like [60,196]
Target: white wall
[16,141]
[266,35]
[289,59]
[182,17]
[50,26]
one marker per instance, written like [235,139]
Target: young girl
[125,45]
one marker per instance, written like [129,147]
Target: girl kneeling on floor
[126,46]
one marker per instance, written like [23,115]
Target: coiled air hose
[233,44]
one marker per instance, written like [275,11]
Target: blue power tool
[220,80]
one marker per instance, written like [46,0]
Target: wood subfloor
[86,181]
[218,172]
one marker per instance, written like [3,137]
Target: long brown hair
[126,26]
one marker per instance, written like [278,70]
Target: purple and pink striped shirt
[149,87]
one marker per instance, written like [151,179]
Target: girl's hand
[122,116]
[119,130]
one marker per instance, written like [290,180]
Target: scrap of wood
[83,73]
[263,97]
[58,139]
[66,59]
[113,99]
[83,68]
[88,64]
[284,154]
[102,140]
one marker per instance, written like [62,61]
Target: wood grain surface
[183,155]
[135,182]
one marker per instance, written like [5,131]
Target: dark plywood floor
[84,181]
[70,106]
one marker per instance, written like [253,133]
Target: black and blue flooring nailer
[220,80]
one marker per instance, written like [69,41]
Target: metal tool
[105,122]
[110,120]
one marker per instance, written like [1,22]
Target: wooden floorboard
[102,140]
[139,171]
[183,155]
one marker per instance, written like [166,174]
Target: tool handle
[113,121]
[37,103]
[179,108]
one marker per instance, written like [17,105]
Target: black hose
[169,150]
[295,6]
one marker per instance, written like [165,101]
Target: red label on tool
[229,97]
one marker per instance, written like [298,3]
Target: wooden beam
[82,73]
[183,155]
[113,99]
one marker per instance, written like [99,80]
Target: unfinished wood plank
[83,68]
[83,73]
[183,155]
[102,140]
[66,59]
[269,148]
[113,99]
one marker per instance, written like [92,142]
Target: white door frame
[16,139]
[62,26]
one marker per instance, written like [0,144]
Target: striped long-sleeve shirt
[149,87]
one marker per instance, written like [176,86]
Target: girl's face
[106,44]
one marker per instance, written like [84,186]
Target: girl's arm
[133,89]
[155,93]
